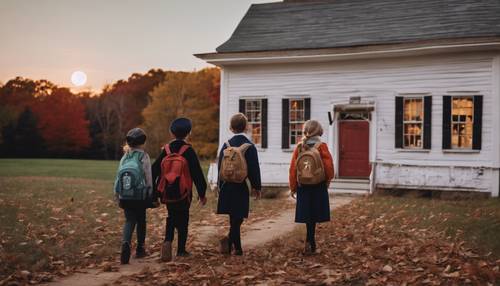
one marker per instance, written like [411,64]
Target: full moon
[78,78]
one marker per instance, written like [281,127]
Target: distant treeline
[41,119]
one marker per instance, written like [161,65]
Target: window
[413,121]
[256,112]
[253,111]
[296,118]
[462,122]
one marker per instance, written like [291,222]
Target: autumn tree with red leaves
[61,121]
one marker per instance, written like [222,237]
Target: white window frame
[259,100]
[452,122]
[421,98]
[290,122]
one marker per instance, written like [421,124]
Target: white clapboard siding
[331,83]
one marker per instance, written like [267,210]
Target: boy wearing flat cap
[178,210]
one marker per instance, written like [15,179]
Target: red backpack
[175,180]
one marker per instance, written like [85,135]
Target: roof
[348,23]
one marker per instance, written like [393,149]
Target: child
[233,194]
[133,188]
[311,171]
[178,211]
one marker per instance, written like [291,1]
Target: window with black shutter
[413,122]
[462,122]
[256,112]
[285,123]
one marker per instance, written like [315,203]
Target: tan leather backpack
[234,165]
[310,170]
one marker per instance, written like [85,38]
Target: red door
[354,148]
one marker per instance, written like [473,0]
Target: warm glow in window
[297,119]
[253,110]
[413,122]
[462,119]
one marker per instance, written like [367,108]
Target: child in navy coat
[234,197]
[178,212]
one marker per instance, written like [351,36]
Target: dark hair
[135,137]
[181,127]
[238,122]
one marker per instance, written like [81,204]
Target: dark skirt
[312,204]
[234,200]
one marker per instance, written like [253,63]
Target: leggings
[234,231]
[311,229]
[135,217]
[177,219]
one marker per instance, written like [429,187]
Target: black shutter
[242,106]
[478,122]
[427,121]
[446,122]
[285,123]
[398,140]
[263,117]
[307,108]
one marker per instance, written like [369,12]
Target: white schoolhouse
[408,91]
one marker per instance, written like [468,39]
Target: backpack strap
[227,144]
[244,147]
[183,149]
[316,146]
[167,149]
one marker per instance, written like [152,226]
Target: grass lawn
[58,215]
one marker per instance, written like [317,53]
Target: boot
[166,251]
[140,252]
[125,254]
[225,245]
[238,252]
[183,253]
[308,248]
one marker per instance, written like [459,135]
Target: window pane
[253,113]
[462,122]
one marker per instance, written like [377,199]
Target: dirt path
[254,234]
[264,231]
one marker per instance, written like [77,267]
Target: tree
[62,123]
[184,94]
[22,139]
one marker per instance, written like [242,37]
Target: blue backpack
[130,183]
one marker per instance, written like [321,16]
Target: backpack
[130,182]
[234,165]
[310,170]
[175,180]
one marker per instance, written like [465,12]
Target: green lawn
[88,169]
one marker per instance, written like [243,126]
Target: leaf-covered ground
[373,241]
[57,220]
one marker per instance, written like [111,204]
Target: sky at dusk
[111,39]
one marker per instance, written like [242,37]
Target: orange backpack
[234,164]
[175,180]
[310,170]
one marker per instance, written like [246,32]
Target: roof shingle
[348,23]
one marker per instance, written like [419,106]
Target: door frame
[334,130]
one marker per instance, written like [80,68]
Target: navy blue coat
[234,197]
[312,204]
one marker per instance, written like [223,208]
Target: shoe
[140,252]
[125,254]
[225,246]
[238,252]
[308,248]
[183,253]
[166,251]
